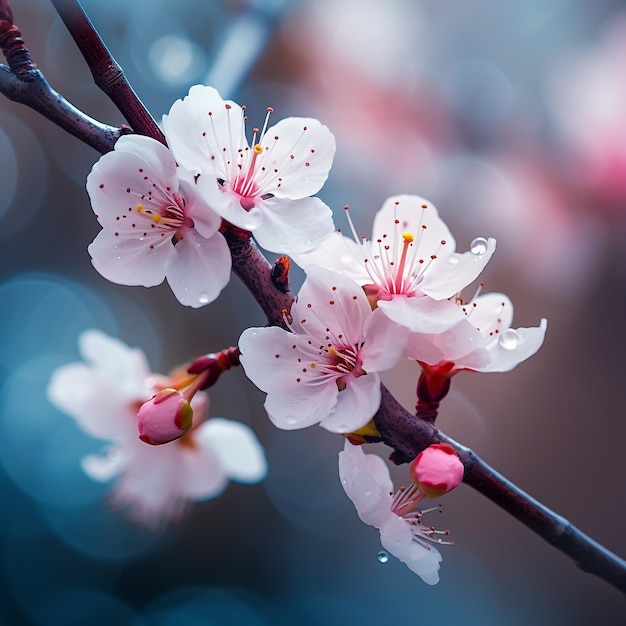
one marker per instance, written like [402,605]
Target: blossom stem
[409,436]
[107,73]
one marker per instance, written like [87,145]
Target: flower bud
[436,470]
[165,417]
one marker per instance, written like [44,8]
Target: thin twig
[33,90]
[107,73]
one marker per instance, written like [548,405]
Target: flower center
[393,262]
[404,504]
[171,216]
[344,361]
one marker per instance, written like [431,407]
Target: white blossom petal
[238,450]
[356,404]
[290,226]
[205,132]
[422,314]
[122,261]
[302,154]
[199,268]
[396,537]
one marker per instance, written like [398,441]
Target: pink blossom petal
[418,217]
[121,260]
[421,313]
[453,344]
[202,476]
[104,467]
[205,220]
[302,150]
[291,226]
[488,309]
[294,399]
[339,253]
[387,343]
[514,347]
[397,538]
[455,272]
[199,268]
[123,366]
[356,404]
[236,447]
[204,132]
[329,300]
[96,404]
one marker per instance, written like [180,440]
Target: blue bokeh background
[480,106]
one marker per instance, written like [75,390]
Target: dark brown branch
[33,90]
[409,435]
[107,74]
[256,273]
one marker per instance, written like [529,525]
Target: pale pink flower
[265,187]
[483,341]
[154,484]
[155,225]
[366,480]
[325,369]
[409,268]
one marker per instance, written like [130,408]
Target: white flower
[154,224]
[325,369]
[366,481]
[483,341]
[154,484]
[263,188]
[410,267]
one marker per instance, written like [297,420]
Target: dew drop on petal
[204,298]
[478,246]
[382,556]
[509,339]
[291,419]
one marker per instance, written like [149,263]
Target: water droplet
[509,339]
[204,298]
[368,493]
[479,246]
[382,556]
[291,419]
[119,258]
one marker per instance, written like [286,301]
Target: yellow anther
[156,218]
[408,237]
[332,351]
[139,208]
[258,148]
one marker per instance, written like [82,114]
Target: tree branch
[107,74]
[405,433]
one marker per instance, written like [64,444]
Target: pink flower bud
[437,470]
[165,417]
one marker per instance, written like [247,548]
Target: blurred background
[511,118]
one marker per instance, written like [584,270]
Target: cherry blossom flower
[366,480]
[410,268]
[154,224]
[263,188]
[325,369]
[483,341]
[154,484]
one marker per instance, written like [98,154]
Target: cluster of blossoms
[154,484]
[364,305]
